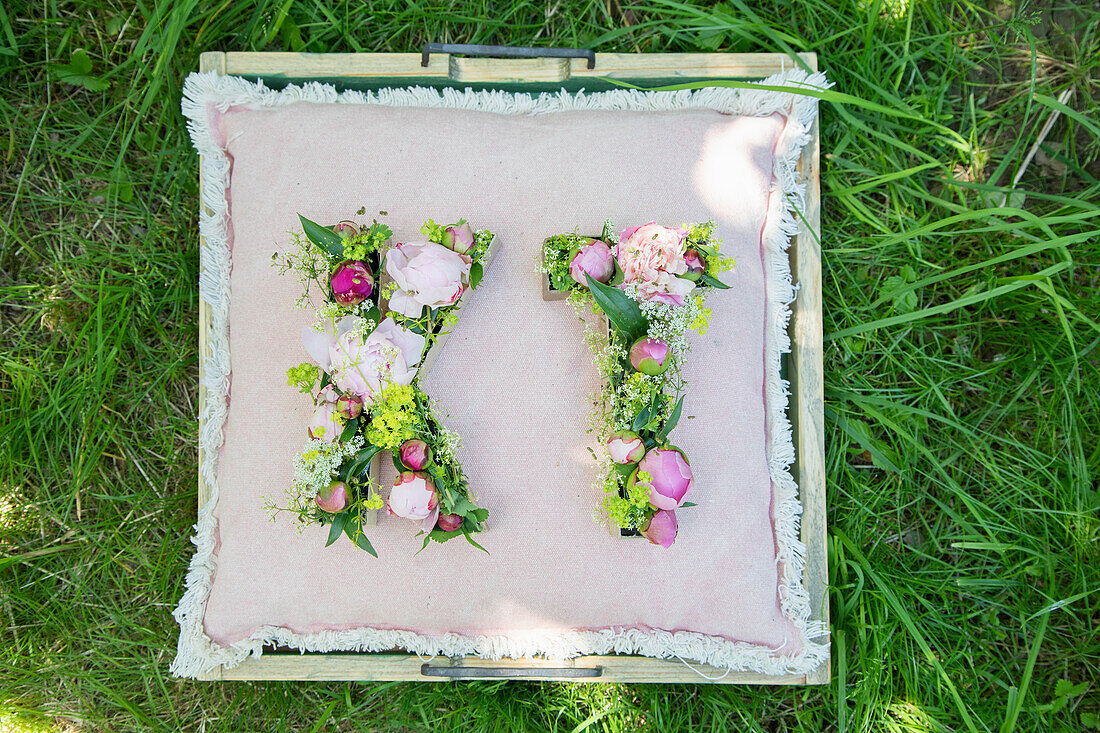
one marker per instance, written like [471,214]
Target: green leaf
[477,271]
[713,282]
[78,72]
[625,469]
[905,300]
[705,249]
[641,419]
[688,504]
[621,309]
[373,314]
[349,430]
[1065,688]
[471,541]
[561,283]
[672,420]
[606,236]
[353,528]
[323,237]
[362,460]
[337,527]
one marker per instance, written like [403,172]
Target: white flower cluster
[314,469]
[670,323]
[448,441]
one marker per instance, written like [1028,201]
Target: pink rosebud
[349,406]
[696,265]
[352,283]
[414,497]
[459,237]
[347,229]
[650,356]
[415,454]
[626,447]
[323,425]
[670,477]
[449,522]
[595,259]
[661,529]
[334,498]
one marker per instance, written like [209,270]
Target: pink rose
[459,238]
[661,529]
[334,498]
[652,256]
[450,522]
[650,356]
[414,497]
[364,366]
[625,447]
[670,477]
[352,283]
[415,454]
[594,259]
[349,406]
[427,274]
[323,425]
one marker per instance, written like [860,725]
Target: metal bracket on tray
[460,672]
[516,52]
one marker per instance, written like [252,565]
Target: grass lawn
[962,364]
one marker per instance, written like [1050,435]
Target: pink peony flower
[696,265]
[414,497]
[427,274]
[661,529]
[594,259]
[450,522]
[652,256]
[459,238]
[347,229]
[334,498]
[323,424]
[625,447]
[650,356]
[349,406]
[352,283]
[670,477]
[415,454]
[364,366]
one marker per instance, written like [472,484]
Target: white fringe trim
[198,654]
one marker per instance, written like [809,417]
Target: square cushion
[514,380]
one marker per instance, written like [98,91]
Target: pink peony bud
[625,447]
[323,425]
[650,356]
[594,259]
[334,498]
[670,477]
[414,497]
[352,283]
[693,258]
[449,522]
[459,237]
[415,454]
[347,229]
[661,529]
[349,406]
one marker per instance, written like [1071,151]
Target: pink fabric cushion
[515,377]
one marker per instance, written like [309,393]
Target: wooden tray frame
[804,363]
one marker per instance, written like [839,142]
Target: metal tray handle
[518,52]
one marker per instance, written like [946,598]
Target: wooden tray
[804,363]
